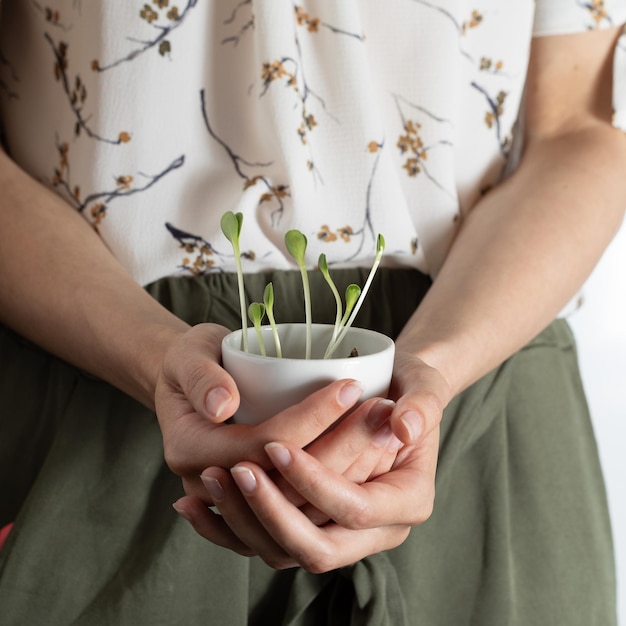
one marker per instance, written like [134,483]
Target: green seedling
[322,263]
[231,227]
[268,301]
[296,243]
[380,248]
[256,313]
[353,293]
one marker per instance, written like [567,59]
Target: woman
[342,120]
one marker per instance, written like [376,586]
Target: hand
[194,396]
[366,518]
[422,393]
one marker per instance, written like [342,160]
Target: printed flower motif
[475,20]
[202,261]
[59,172]
[492,116]
[164,18]
[303,19]
[251,182]
[487,65]
[52,16]
[148,14]
[205,258]
[277,191]
[124,182]
[98,213]
[308,123]
[275,70]
[597,11]
[325,234]
[412,143]
[76,92]
[61,61]
[346,233]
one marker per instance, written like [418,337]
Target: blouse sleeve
[556,17]
[619,82]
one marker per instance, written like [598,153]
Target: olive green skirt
[520,532]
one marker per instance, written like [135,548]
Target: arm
[62,288]
[520,256]
[528,246]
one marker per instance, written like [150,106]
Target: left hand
[365,517]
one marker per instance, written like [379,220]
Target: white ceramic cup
[267,385]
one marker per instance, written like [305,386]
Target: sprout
[231,227]
[352,295]
[256,312]
[353,292]
[380,248]
[268,301]
[296,243]
[323,265]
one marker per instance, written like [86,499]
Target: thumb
[193,368]
[421,394]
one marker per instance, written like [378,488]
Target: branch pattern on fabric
[98,202]
[162,17]
[76,92]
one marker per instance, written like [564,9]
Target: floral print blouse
[342,118]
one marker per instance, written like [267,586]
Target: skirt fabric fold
[520,532]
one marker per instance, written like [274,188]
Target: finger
[301,424]
[210,525]
[354,447]
[316,549]
[402,496]
[193,368]
[388,457]
[422,394]
[192,443]
[364,467]
[365,429]
[304,422]
[240,520]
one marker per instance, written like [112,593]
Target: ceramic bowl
[268,385]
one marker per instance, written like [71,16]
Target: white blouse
[342,118]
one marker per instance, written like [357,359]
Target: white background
[600,329]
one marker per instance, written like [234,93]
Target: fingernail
[413,423]
[245,479]
[394,444]
[217,400]
[181,512]
[213,486]
[382,436]
[279,455]
[349,394]
[379,413]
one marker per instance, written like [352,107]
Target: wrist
[154,340]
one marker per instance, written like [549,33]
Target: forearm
[522,253]
[63,289]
